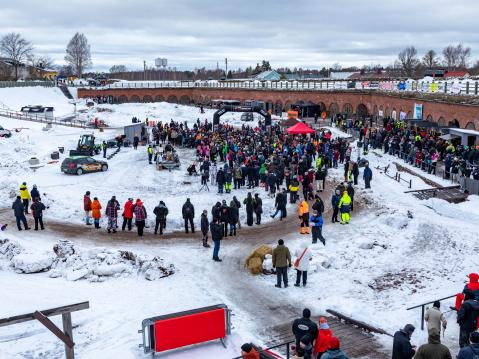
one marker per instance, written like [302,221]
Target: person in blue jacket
[335,203]
[368,175]
[316,221]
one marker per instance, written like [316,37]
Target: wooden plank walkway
[354,341]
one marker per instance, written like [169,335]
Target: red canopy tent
[300,129]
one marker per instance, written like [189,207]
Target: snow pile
[94,265]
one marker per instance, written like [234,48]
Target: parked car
[247,116]
[4,132]
[82,164]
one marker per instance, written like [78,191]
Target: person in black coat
[355,173]
[467,318]
[19,212]
[304,326]
[258,207]
[224,217]
[238,206]
[220,180]
[280,204]
[248,202]
[188,212]
[318,204]
[216,235]
[233,217]
[205,227]
[37,208]
[402,348]
[350,190]
[160,211]
[215,211]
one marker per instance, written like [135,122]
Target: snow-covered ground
[397,251]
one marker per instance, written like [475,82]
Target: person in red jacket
[127,214]
[472,286]
[322,341]
[249,352]
[87,207]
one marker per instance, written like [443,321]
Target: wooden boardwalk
[354,341]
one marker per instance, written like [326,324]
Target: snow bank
[72,263]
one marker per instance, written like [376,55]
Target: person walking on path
[25,195]
[317,227]
[367,175]
[37,208]
[160,211]
[87,207]
[127,214]
[258,207]
[104,147]
[325,334]
[217,232]
[435,318]
[280,204]
[205,227]
[304,326]
[96,212]
[111,212]
[472,350]
[303,211]
[188,212]
[433,349]
[281,261]
[402,348]
[467,318]
[248,202]
[303,258]
[345,206]
[140,216]
[19,212]
[335,199]
[150,154]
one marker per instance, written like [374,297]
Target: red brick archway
[333,101]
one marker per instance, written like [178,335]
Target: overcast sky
[307,33]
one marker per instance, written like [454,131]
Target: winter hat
[322,320]
[34,186]
[24,183]
[246,347]
[474,337]
[409,329]
[224,202]
[87,193]
[205,211]
[334,343]
[130,199]
[437,304]
[280,242]
[18,197]
[306,313]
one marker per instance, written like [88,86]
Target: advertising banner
[417,111]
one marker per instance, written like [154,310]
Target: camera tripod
[204,187]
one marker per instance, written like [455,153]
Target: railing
[422,306]
[42,119]
[468,87]
[26,83]
[265,351]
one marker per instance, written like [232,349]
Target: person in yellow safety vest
[293,190]
[417,138]
[150,154]
[319,160]
[303,211]
[450,148]
[344,207]
[25,196]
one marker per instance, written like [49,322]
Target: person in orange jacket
[303,211]
[96,212]
[472,286]
[249,352]
[321,344]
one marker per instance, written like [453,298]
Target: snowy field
[397,252]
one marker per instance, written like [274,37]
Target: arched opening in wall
[322,107]
[135,98]
[278,107]
[287,105]
[441,122]
[381,111]
[184,100]
[454,123]
[362,111]
[159,98]
[470,126]
[387,112]
[172,99]
[333,109]
[394,114]
[375,110]
[206,100]
[147,98]
[429,118]
[348,110]
[122,99]
[409,114]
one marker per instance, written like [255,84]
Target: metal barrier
[265,352]
[4,84]
[42,119]
[422,306]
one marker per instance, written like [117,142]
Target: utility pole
[144,70]
[226,63]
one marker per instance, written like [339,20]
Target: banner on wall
[402,115]
[393,115]
[381,113]
[417,111]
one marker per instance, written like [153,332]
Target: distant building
[458,73]
[270,75]
[340,75]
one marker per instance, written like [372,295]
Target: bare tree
[456,56]
[408,60]
[41,61]
[430,59]
[78,54]
[16,48]
[118,68]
